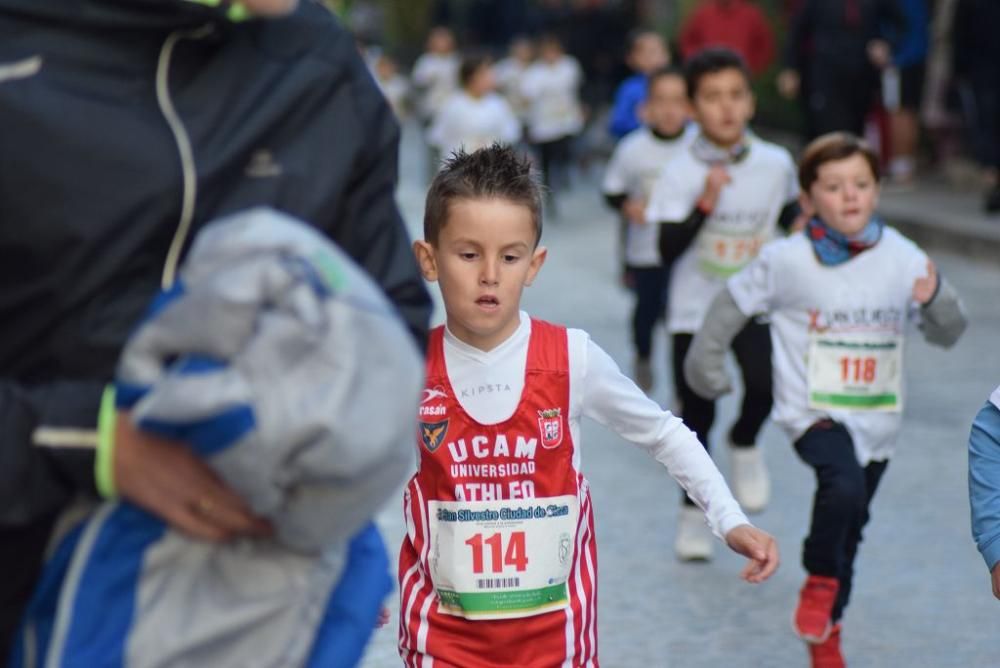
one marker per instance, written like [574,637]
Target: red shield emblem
[550,427]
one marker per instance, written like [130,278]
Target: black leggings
[844,491]
[752,347]
[554,156]
[650,303]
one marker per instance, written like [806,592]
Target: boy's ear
[537,260]
[425,258]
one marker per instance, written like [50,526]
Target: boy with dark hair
[499,564]
[716,204]
[633,169]
[646,52]
[476,116]
[839,297]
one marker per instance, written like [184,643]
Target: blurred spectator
[737,24]
[938,109]
[834,52]
[551,86]
[476,116]
[394,85]
[977,68]
[435,74]
[510,73]
[647,53]
[909,60]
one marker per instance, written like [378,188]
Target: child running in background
[435,74]
[510,74]
[839,296]
[551,86]
[476,116]
[499,564]
[646,53]
[633,169]
[718,202]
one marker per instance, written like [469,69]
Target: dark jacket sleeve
[49,432]
[677,236]
[376,236]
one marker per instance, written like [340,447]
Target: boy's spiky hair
[494,172]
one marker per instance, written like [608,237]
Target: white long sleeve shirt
[488,384]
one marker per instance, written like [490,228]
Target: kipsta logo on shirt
[550,427]
[432,434]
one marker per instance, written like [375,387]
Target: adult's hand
[167,479]
[788,83]
[270,7]
[996,580]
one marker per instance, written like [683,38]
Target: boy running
[718,202]
[839,296]
[499,564]
[632,171]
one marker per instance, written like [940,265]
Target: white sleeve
[616,173]
[792,188]
[670,199]
[511,130]
[530,83]
[611,399]
[752,287]
[422,72]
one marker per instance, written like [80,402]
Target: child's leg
[873,474]
[650,284]
[752,347]
[698,413]
[841,496]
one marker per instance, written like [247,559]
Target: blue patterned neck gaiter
[833,247]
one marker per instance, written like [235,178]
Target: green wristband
[104,473]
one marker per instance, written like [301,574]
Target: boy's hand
[717,177]
[757,546]
[788,83]
[167,479]
[634,210]
[924,288]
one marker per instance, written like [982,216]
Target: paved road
[922,592]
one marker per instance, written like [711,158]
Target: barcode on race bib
[498,583]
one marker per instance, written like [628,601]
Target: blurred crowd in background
[920,79]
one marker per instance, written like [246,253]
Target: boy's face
[484,257]
[482,81]
[648,54]
[667,108]
[844,194]
[723,105]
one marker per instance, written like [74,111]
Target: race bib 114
[502,559]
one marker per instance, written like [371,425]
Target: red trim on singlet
[446,446]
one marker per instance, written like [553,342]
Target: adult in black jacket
[833,54]
[124,126]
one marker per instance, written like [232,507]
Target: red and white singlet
[499,565]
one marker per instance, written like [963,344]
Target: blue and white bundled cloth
[283,365]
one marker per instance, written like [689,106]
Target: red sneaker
[827,654]
[812,617]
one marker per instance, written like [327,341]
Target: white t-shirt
[995,397]
[473,123]
[633,170]
[437,76]
[552,92]
[744,218]
[489,385]
[837,334]
[509,74]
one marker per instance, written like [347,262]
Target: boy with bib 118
[499,564]
[716,203]
[839,297]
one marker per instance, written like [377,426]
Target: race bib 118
[855,372]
